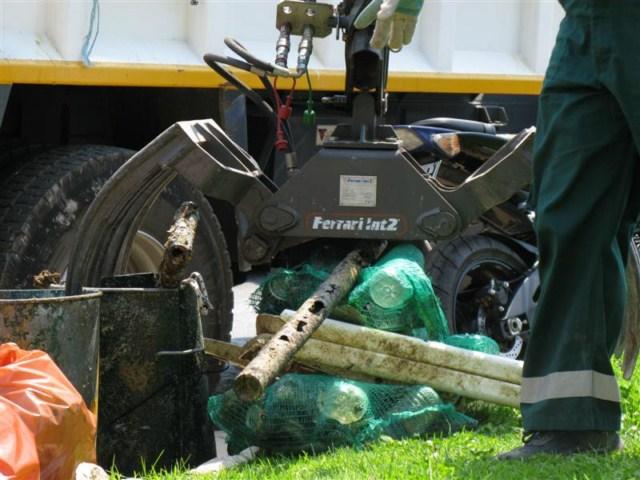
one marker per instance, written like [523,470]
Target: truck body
[144,59]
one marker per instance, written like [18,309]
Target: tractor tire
[42,202]
[462,268]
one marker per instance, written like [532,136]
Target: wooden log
[276,355]
[179,246]
[224,351]
[402,346]
[46,279]
[326,356]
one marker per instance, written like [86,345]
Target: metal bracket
[195,282]
[299,13]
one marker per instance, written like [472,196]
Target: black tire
[461,269]
[43,200]
[11,157]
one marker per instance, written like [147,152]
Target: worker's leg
[583,174]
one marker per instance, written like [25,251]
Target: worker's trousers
[587,198]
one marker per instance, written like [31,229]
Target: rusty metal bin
[153,384]
[153,387]
[66,327]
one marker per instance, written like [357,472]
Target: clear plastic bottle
[417,399]
[390,288]
[343,402]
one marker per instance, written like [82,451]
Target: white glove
[395,22]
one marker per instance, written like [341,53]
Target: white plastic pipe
[410,348]
[323,355]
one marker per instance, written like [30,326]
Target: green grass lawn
[467,455]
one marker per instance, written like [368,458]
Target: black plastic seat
[458,124]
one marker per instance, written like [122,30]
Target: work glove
[395,22]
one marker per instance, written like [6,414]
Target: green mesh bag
[479,343]
[316,412]
[396,295]
[287,288]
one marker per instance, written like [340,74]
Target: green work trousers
[587,198]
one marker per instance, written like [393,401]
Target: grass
[468,455]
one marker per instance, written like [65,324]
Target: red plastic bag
[45,427]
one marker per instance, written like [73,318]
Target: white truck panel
[478,37]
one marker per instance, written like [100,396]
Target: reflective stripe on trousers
[582,383]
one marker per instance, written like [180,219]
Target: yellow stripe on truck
[141,75]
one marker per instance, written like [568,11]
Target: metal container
[149,346]
[153,384]
[66,327]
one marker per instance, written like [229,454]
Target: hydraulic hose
[212,61]
[304,49]
[256,63]
[232,62]
[242,52]
[283,46]
[266,151]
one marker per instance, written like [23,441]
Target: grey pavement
[244,317]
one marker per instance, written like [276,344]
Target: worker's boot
[564,443]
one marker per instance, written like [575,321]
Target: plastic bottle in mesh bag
[416,398]
[316,412]
[420,412]
[389,287]
[390,290]
[396,295]
[287,289]
[343,402]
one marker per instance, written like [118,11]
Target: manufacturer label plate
[358,190]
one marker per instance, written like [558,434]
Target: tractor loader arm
[199,151]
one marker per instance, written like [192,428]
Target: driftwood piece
[350,361]
[179,246]
[277,354]
[227,352]
[46,279]
[402,346]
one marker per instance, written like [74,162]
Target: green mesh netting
[396,295]
[479,343]
[287,288]
[316,412]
